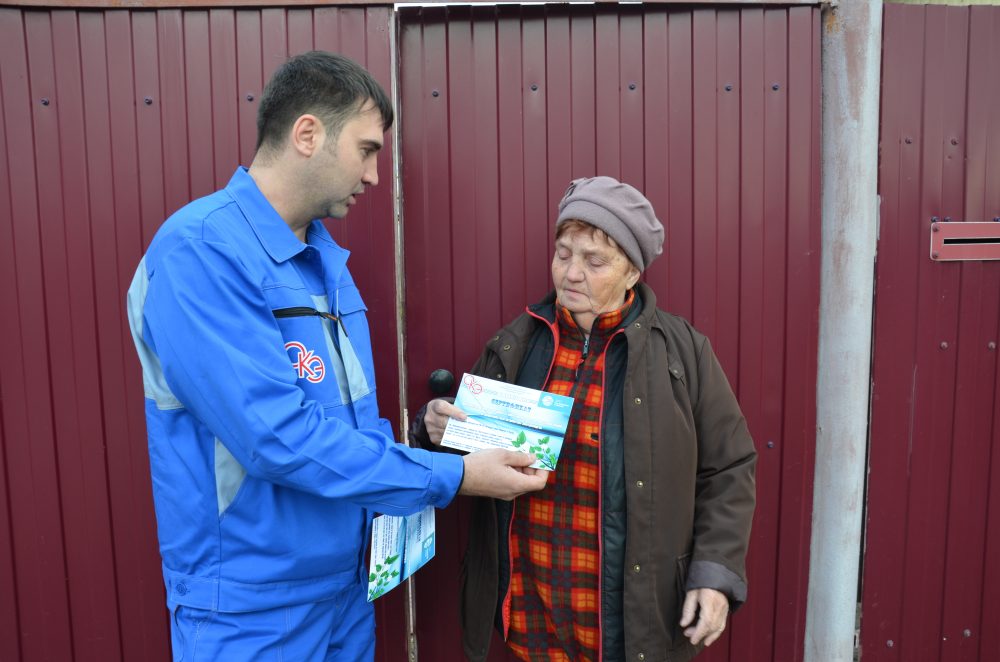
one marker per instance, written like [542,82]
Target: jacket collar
[272,232]
[647,311]
[546,308]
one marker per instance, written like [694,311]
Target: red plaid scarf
[555,587]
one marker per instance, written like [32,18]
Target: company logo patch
[306,363]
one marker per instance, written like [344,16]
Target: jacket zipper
[302,311]
[505,609]
[583,356]
[305,311]
[600,504]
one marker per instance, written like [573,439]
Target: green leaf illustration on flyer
[508,416]
[400,547]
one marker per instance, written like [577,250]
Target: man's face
[348,162]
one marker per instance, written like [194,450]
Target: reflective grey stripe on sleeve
[350,375]
[153,382]
[229,475]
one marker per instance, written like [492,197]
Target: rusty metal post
[851,62]
[410,587]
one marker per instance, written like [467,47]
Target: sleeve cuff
[707,574]
[447,474]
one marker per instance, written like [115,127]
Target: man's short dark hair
[329,86]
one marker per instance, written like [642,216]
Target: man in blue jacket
[267,452]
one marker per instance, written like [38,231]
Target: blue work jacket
[266,448]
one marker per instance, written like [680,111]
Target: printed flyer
[400,547]
[508,416]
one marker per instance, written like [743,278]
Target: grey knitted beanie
[621,211]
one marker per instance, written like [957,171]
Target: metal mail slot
[965,241]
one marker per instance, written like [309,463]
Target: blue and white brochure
[508,416]
[400,547]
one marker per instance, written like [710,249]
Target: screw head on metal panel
[944,344]
[890,643]
[947,219]
[934,219]
[908,140]
[148,101]
[935,228]
[991,346]
[534,87]
[631,86]
[954,141]
[966,633]
[435,93]
[729,87]
[996,219]
[934,255]
[45,101]
[776,87]
[249,97]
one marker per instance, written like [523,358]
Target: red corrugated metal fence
[933,529]
[111,120]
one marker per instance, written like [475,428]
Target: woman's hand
[712,608]
[436,418]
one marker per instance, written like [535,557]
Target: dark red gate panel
[933,525]
[715,115]
[109,121]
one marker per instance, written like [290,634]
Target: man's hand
[712,607]
[436,418]
[500,474]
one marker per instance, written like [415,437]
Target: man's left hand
[712,608]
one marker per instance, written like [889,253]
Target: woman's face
[590,275]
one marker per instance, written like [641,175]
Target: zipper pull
[336,320]
[583,357]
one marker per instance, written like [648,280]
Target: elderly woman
[635,548]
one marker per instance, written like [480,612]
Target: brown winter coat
[689,484]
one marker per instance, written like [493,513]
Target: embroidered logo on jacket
[306,363]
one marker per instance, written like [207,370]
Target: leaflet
[508,416]
[400,547]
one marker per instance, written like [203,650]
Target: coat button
[641,656]
[499,375]
[638,326]
[639,483]
[506,348]
[638,401]
[181,589]
[636,567]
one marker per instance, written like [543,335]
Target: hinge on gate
[411,647]
[857,632]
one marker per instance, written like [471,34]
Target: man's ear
[308,134]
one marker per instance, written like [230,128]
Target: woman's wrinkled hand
[436,418]
[712,608]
